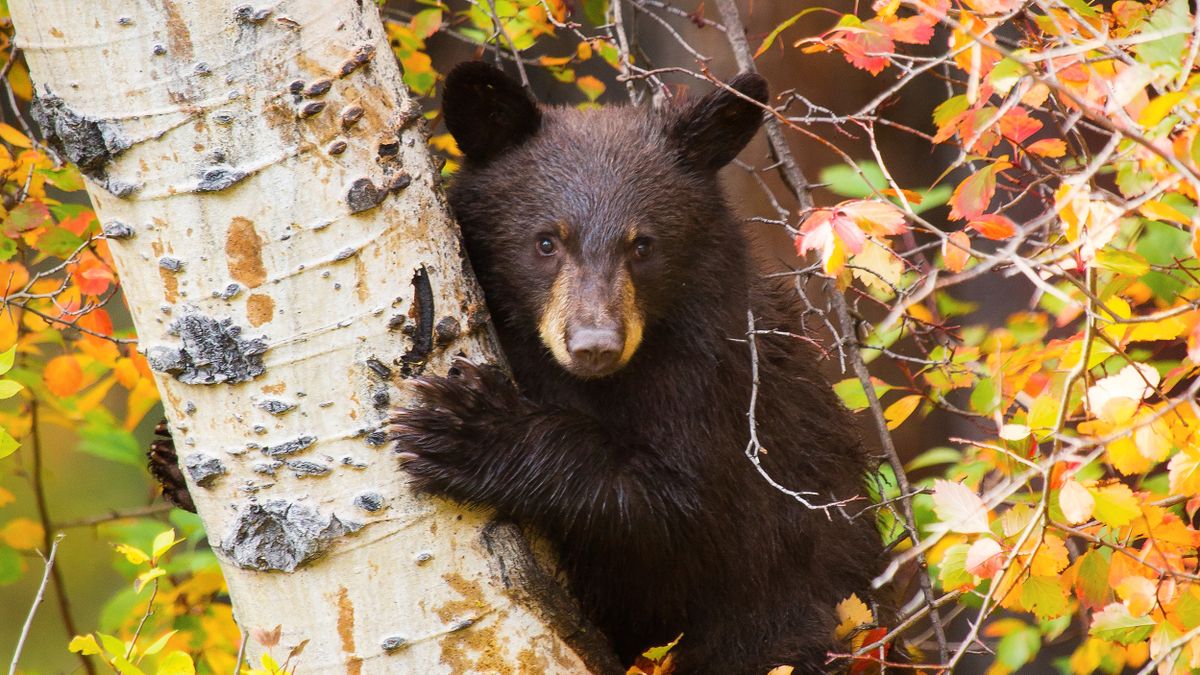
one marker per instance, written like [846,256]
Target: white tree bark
[288,260]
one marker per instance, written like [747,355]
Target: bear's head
[589,228]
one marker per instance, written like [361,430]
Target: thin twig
[37,600]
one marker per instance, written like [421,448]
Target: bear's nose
[594,350]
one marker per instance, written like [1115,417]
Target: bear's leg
[471,436]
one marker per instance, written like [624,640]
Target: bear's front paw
[444,438]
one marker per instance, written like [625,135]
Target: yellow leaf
[781,670]
[1050,558]
[133,554]
[146,577]
[176,663]
[1116,504]
[899,411]
[14,137]
[6,497]
[1156,210]
[84,644]
[163,543]
[1123,455]
[1076,502]
[23,534]
[851,614]
[1157,109]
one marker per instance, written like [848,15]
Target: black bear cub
[621,286]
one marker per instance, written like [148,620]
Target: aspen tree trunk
[264,182]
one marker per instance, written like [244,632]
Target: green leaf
[8,444]
[1122,262]
[1018,647]
[983,397]
[1044,596]
[67,179]
[8,248]
[10,566]
[9,388]
[596,11]
[111,443]
[59,242]
[770,39]
[854,397]
[659,653]
[949,109]
[1170,24]
[953,570]
[1091,578]
[158,644]
[1188,608]
[934,457]
[7,357]
[112,645]
[1160,244]
[843,180]
[1117,624]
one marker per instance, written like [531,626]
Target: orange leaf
[22,534]
[1048,147]
[14,137]
[1017,125]
[63,376]
[993,226]
[955,251]
[973,196]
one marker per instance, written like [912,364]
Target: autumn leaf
[23,534]
[897,412]
[1115,504]
[974,194]
[1048,147]
[1131,384]
[956,251]
[63,376]
[842,231]
[993,226]
[1115,623]
[959,508]
[852,614]
[1076,502]
[984,558]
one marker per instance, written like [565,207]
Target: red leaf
[1017,125]
[866,47]
[91,275]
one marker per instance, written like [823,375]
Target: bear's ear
[486,111]
[710,132]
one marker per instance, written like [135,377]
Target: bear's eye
[545,245]
[642,247]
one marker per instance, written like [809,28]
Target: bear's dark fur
[637,470]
